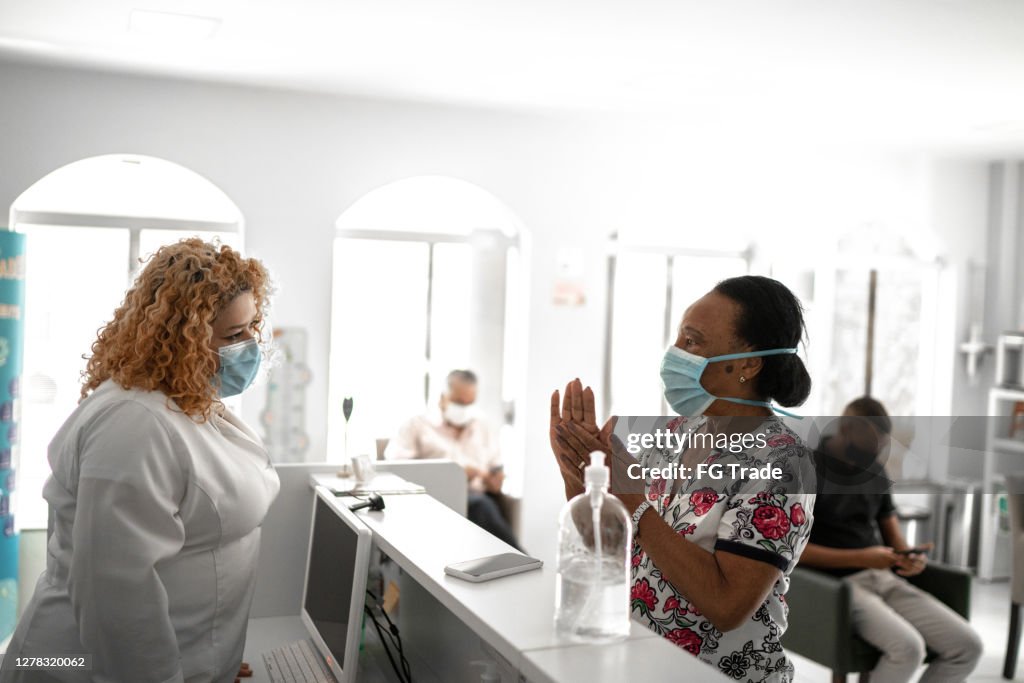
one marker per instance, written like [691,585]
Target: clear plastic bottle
[592,587]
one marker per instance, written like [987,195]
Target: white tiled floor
[990,615]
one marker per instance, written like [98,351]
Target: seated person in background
[460,435]
[856,535]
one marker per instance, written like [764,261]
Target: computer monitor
[335,588]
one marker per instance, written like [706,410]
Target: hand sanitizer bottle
[592,586]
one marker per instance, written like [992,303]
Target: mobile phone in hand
[920,550]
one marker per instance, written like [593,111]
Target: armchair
[820,627]
[1015,491]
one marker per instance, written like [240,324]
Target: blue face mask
[239,364]
[681,372]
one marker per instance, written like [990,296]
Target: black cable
[405,675]
[377,626]
[387,650]
[396,638]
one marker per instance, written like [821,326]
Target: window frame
[133,224]
[616,248]
[497,239]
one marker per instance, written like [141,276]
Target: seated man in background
[459,434]
[856,535]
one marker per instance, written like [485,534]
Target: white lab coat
[152,544]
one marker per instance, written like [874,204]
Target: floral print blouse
[758,519]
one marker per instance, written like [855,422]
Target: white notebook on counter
[383,483]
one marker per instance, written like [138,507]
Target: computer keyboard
[297,662]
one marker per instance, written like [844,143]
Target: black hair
[463,376]
[771,317]
[873,411]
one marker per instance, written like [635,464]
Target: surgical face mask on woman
[681,372]
[239,364]
[458,415]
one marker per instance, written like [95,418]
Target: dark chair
[820,627]
[1015,496]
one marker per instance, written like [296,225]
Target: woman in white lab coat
[158,491]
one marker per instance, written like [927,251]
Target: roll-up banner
[12,342]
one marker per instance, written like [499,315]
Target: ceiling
[931,72]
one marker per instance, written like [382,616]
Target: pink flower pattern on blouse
[797,515]
[687,639]
[643,594]
[703,500]
[771,521]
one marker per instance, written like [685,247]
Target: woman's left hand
[576,439]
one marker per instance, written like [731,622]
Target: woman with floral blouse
[711,557]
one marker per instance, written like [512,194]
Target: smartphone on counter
[492,567]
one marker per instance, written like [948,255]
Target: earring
[742,379]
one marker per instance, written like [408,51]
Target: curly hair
[160,336]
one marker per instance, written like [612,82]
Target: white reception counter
[447,623]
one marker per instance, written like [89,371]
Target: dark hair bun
[771,317]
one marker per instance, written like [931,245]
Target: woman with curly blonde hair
[158,490]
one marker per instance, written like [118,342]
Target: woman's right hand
[877,557]
[577,407]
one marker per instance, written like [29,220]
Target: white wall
[957,206]
[293,162]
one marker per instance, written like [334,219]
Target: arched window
[427,276]
[88,224]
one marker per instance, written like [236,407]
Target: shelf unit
[988,544]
